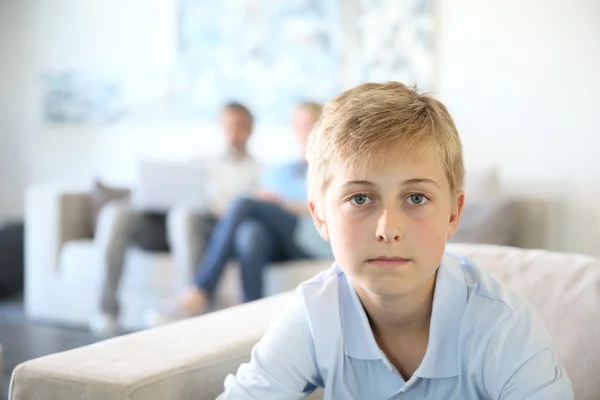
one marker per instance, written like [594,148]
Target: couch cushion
[78,262]
[565,290]
[481,182]
[489,221]
[149,270]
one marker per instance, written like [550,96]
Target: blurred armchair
[64,268]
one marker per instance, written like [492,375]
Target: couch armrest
[52,218]
[187,245]
[185,360]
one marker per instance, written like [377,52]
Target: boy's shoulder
[500,330]
[324,284]
[492,308]
[323,296]
[482,286]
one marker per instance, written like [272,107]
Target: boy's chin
[387,287]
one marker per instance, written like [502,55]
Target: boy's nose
[389,228]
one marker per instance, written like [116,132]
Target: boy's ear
[318,219]
[456,213]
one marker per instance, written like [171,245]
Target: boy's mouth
[385,261]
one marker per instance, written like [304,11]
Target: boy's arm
[520,362]
[282,366]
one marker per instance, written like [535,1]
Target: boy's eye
[417,199]
[360,199]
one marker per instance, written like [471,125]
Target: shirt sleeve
[520,362]
[282,364]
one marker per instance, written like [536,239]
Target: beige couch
[190,359]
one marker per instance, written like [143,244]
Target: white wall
[522,81]
[12,144]
[520,78]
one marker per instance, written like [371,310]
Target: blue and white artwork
[395,42]
[268,54]
[75,98]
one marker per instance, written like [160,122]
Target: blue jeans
[255,232]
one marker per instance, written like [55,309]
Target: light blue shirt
[485,342]
[289,182]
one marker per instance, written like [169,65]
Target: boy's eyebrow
[406,182]
[420,180]
[360,182]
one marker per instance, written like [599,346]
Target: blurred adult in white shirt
[229,175]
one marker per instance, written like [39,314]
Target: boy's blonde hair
[365,127]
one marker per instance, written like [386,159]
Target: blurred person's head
[304,118]
[236,122]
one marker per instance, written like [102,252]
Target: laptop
[162,185]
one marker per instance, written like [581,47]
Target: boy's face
[388,229]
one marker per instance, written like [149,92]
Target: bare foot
[192,302]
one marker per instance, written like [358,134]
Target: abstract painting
[395,42]
[75,98]
[268,54]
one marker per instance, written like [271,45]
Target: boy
[395,318]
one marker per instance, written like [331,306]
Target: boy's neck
[406,314]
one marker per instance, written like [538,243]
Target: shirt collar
[449,301]
[359,341]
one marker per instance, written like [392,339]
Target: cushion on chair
[149,270]
[78,262]
[489,221]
